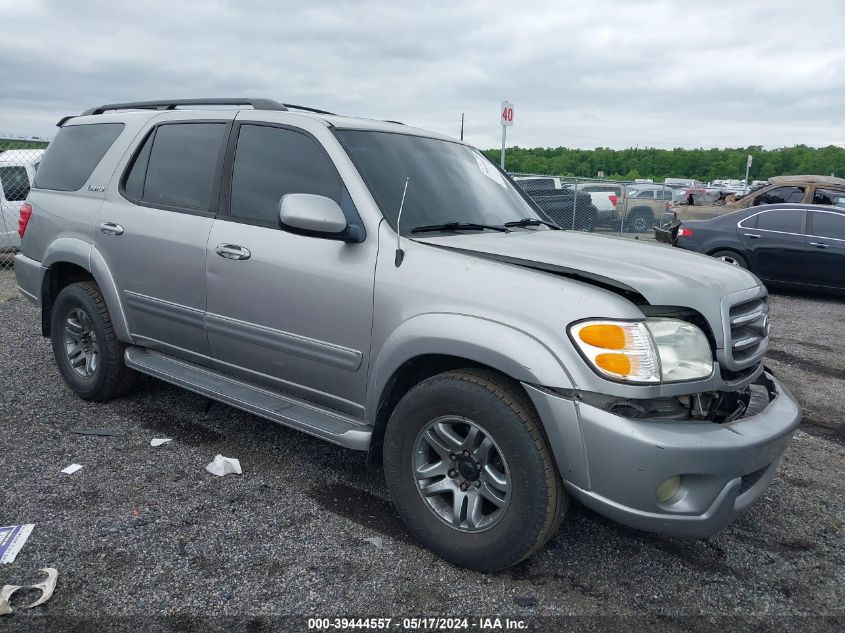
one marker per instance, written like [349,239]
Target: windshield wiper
[459,226]
[533,222]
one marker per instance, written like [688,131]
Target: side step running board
[323,423]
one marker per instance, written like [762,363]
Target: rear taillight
[684,232]
[23,220]
[613,199]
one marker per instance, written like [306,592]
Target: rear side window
[782,220]
[181,165]
[830,225]
[271,162]
[829,196]
[14,182]
[74,153]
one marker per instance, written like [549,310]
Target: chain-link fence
[626,208]
[18,161]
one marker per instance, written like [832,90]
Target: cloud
[604,73]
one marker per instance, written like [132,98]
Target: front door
[293,312]
[153,235]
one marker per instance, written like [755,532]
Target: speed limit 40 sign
[507,113]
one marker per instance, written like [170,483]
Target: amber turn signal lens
[606,336]
[615,363]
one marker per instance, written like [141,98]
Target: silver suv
[392,291]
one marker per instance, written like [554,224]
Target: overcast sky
[615,73]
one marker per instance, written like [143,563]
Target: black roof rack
[291,106]
[172,104]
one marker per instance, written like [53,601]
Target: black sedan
[800,245]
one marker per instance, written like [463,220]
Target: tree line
[649,162]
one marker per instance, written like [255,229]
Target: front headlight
[649,351]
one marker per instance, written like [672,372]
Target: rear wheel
[639,220]
[731,257]
[87,352]
[470,472]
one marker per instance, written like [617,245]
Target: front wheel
[87,351]
[731,257]
[470,472]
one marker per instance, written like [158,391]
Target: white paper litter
[158,441]
[224,465]
[375,540]
[12,538]
[71,469]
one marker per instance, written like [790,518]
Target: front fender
[502,347]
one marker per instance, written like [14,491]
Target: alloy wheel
[80,341]
[461,474]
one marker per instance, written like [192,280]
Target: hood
[663,275]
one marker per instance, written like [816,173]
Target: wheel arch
[69,261]
[431,344]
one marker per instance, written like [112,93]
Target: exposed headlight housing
[649,351]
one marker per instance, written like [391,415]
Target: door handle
[819,245]
[110,228]
[753,236]
[233,251]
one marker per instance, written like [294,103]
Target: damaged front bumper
[615,465]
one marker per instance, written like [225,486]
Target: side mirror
[317,216]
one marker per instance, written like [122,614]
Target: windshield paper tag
[488,170]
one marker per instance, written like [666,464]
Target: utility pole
[462,126]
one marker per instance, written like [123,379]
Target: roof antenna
[400,254]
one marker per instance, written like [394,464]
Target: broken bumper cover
[723,468]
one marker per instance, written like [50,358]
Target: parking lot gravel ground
[140,532]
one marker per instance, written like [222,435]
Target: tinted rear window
[74,153]
[15,182]
[829,225]
[183,164]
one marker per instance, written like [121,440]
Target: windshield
[449,182]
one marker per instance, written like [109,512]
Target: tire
[731,257]
[588,221]
[523,518]
[639,221]
[87,352]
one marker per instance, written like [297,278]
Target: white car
[17,171]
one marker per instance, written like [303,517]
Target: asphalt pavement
[144,534]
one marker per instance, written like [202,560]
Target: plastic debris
[224,465]
[375,540]
[158,441]
[71,469]
[47,587]
[12,538]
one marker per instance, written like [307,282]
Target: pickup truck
[558,201]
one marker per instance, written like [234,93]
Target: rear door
[776,244]
[153,234]
[293,312]
[826,248]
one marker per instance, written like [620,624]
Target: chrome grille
[749,338]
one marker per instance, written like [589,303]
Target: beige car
[798,189]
